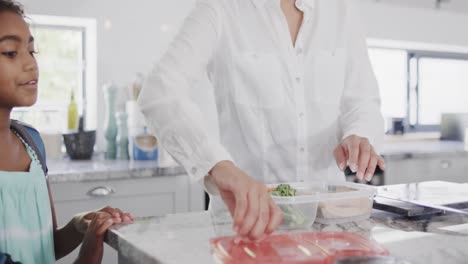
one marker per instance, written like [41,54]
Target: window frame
[89,93]
[417,51]
[418,55]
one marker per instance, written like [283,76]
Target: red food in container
[308,247]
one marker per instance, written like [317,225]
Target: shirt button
[301,114]
[302,149]
[299,51]
[194,170]
[298,79]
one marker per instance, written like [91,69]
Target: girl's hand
[92,248]
[82,221]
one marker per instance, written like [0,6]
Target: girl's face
[18,67]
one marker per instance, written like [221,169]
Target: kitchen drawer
[81,190]
[139,205]
[142,197]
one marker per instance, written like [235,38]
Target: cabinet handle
[445,164]
[100,191]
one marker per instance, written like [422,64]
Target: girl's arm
[70,236]
[67,238]
[92,250]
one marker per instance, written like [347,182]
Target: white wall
[409,23]
[140,33]
[460,6]
[136,41]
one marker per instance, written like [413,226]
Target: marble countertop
[184,238]
[65,170]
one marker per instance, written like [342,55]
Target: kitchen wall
[131,36]
[141,30]
[411,22]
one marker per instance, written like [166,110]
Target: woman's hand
[360,155]
[82,221]
[253,211]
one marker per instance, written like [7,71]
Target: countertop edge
[117,241]
[121,174]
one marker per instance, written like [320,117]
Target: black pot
[80,145]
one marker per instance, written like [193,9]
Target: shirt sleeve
[165,99]
[360,105]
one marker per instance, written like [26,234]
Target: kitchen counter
[65,170]
[140,187]
[394,150]
[99,169]
[184,238]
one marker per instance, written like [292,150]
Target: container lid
[307,247]
[318,191]
[305,193]
[346,190]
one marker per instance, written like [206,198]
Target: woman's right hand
[253,211]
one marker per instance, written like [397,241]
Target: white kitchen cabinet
[444,167]
[142,197]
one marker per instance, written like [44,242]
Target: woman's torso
[278,103]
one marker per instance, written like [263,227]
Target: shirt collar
[261,3]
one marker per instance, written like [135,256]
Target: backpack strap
[6,259]
[33,138]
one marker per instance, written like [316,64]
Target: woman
[294,90]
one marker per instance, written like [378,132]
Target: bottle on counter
[110,94]
[72,113]
[122,136]
[144,146]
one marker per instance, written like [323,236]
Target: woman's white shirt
[282,108]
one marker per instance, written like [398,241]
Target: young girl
[28,226]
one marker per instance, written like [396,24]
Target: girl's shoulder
[33,138]
[16,123]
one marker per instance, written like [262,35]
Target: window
[443,88]
[421,85]
[66,58]
[390,67]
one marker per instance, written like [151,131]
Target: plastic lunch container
[325,203]
[341,202]
[299,211]
[312,248]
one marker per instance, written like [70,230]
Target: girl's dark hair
[11,6]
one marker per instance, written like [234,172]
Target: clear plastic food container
[311,248]
[325,203]
[299,211]
[341,202]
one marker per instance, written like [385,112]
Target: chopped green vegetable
[284,190]
[292,216]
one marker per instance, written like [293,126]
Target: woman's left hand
[360,155]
